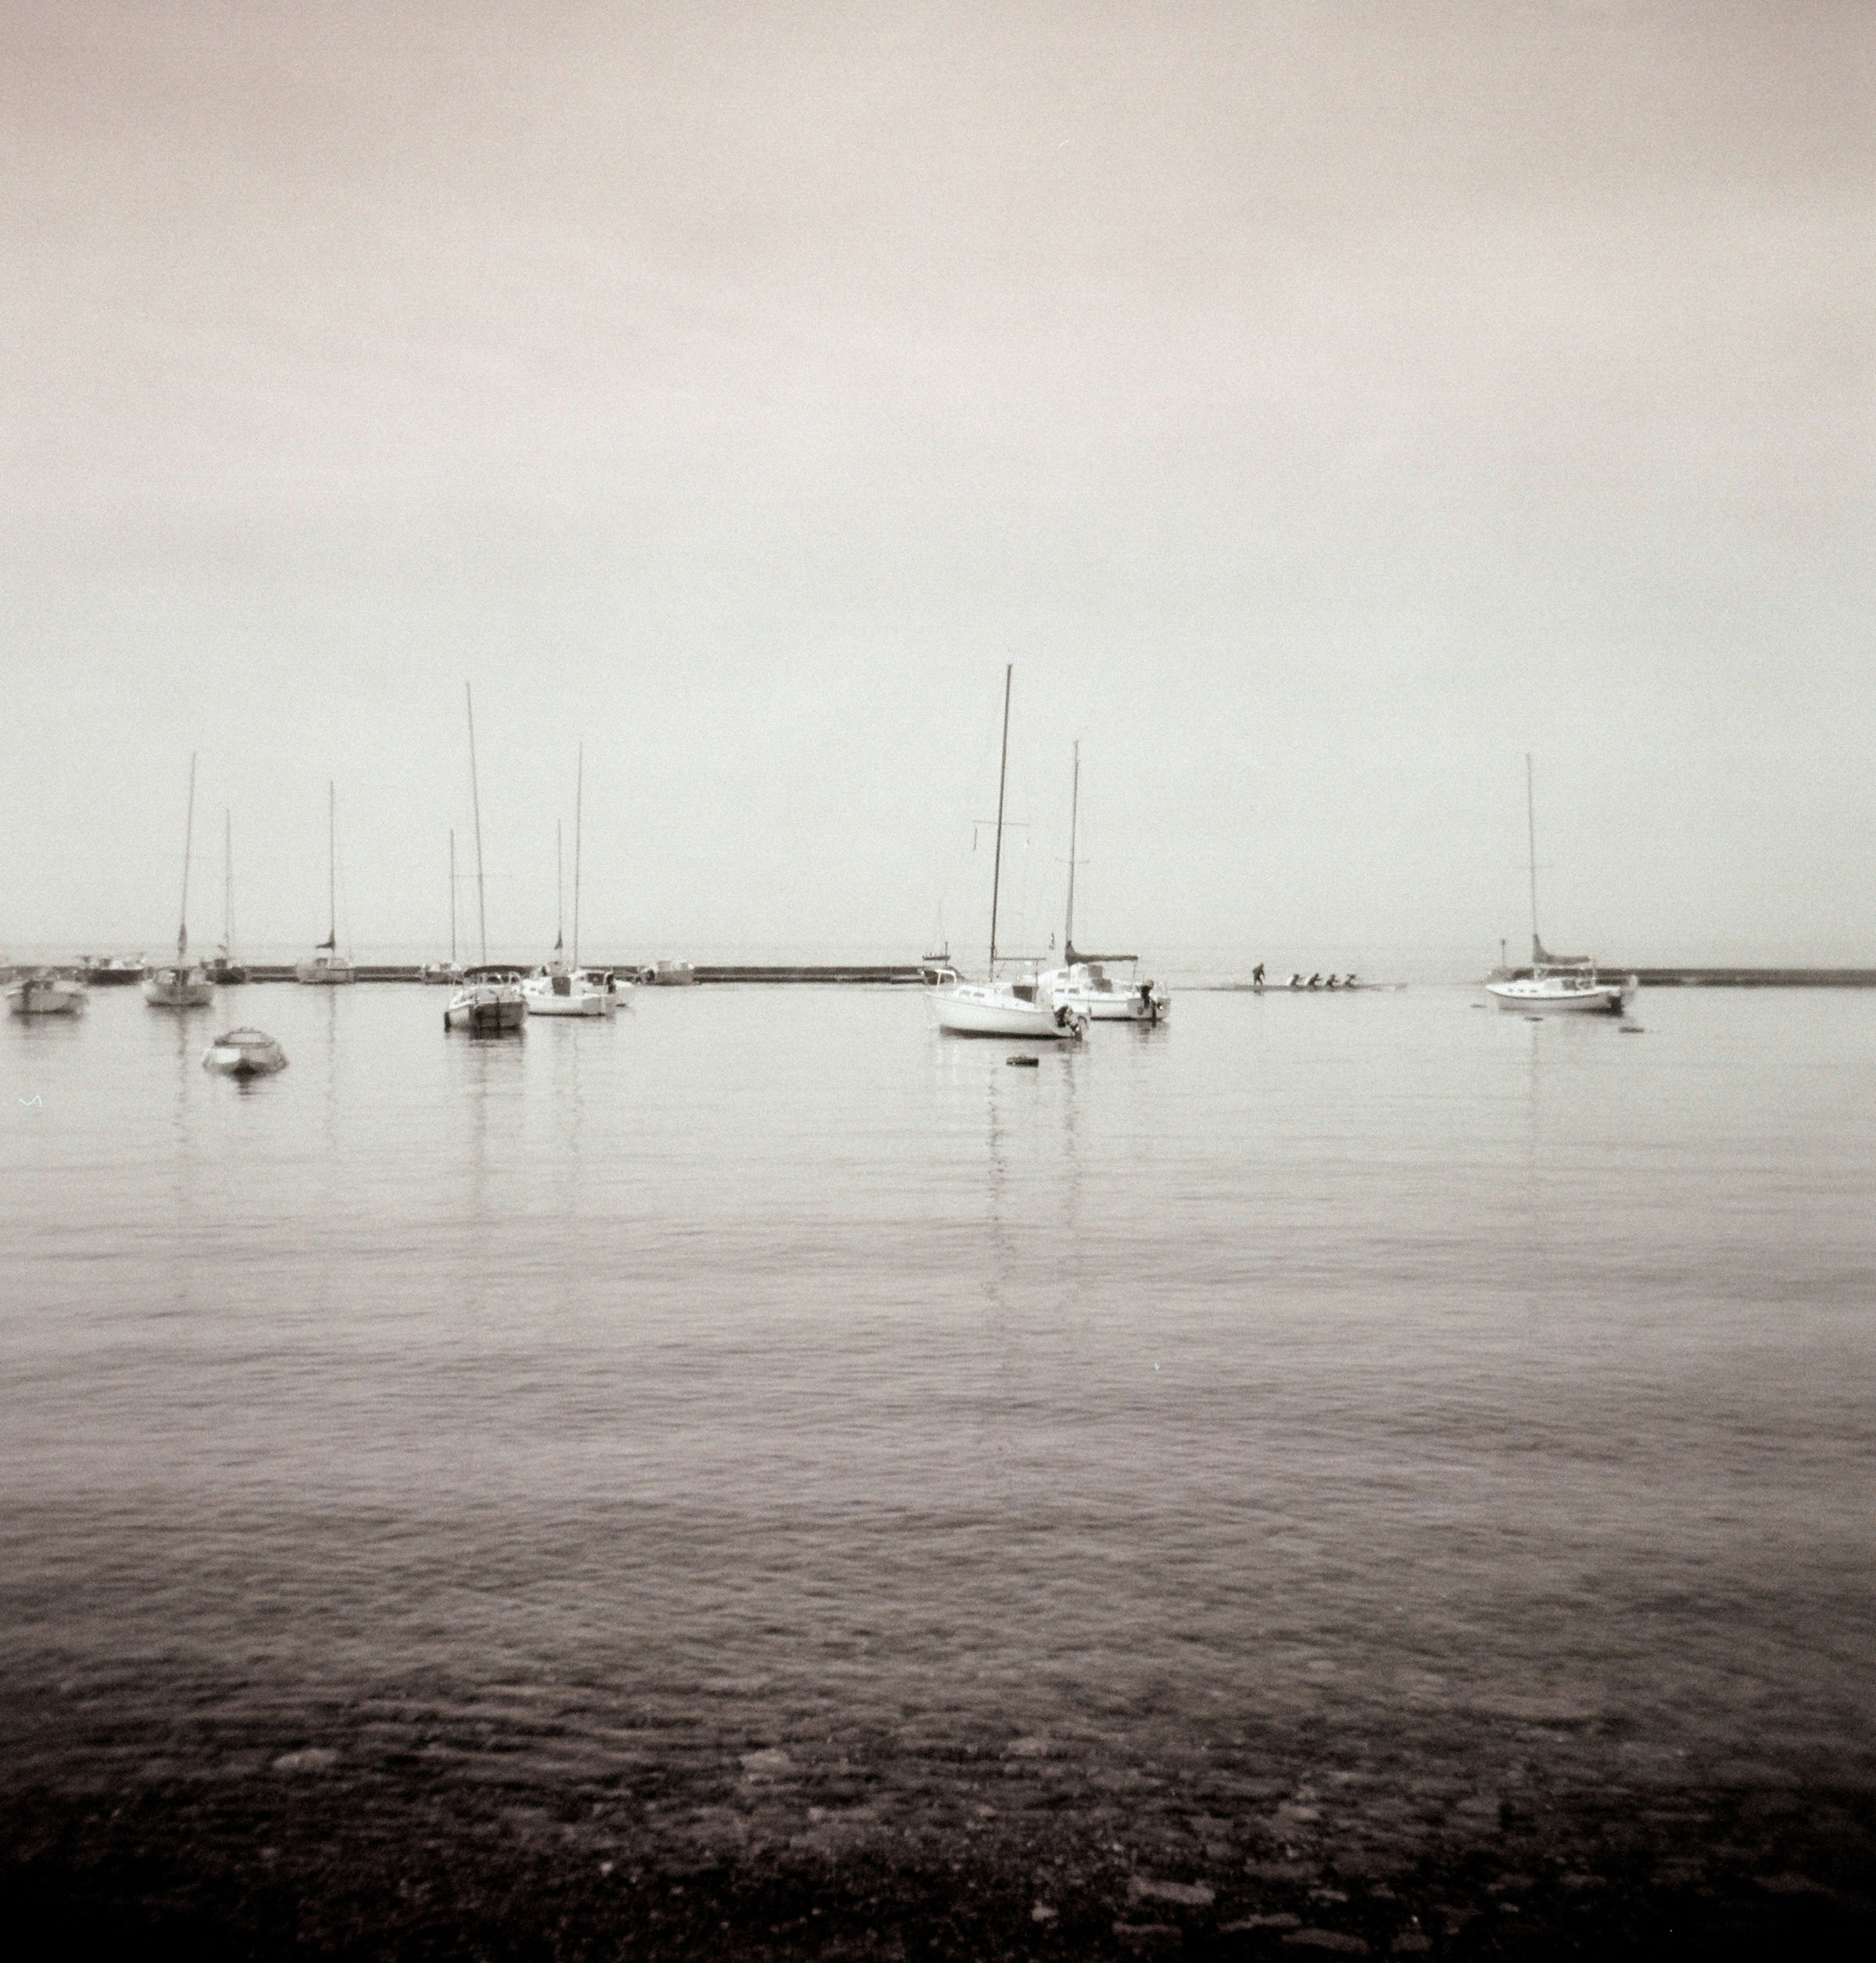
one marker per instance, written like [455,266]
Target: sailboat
[490,1000]
[992,1007]
[1555,981]
[558,988]
[1086,982]
[448,973]
[222,970]
[176,984]
[324,967]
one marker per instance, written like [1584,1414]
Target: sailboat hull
[1551,994]
[970,1011]
[487,1011]
[169,989]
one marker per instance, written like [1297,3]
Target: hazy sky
[1320,404]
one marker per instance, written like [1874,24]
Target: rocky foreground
[395,1830]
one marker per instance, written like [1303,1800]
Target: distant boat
[45,992]
[244,1053]
[223,970]
[177,985]
[1083,982]
[450,972]
[114,971]
[559,987]
[324,967]
[668,974]
[489,1001]
[993,1008]
[1568,981]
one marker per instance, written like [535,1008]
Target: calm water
[1378,1361]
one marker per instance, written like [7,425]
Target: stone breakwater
[513,1822]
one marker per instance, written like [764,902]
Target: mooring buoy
[1023,1062]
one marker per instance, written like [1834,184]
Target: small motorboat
[45,992]
[442,974]
[244,1053]
[668,974]
[114,971]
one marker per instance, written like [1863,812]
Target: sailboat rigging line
[452,896]
[1067,932]
[579,787]
[475,800]
[1003,772]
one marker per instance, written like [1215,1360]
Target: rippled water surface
[1376,1362]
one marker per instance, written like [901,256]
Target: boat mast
[228,885]
[560,895]
[1531,828]
[579,786]
[188,840]
[475,800]
[1067,937]
[1003,772]
[452,896]
[331,939]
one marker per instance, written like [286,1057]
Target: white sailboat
[176,984]
[1564,981]
[559,988]
[223,970]
[325,967]
[1001,1008]
[489,1001]
[450,972]
[1087,983]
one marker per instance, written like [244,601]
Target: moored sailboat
[1085,982]
[489,1002]
[325,967]
[992,1007]
[449,972]
[177,984]
[559,987]
[1562,982]
[223,970]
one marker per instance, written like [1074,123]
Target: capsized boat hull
[971,1010]
[46,995]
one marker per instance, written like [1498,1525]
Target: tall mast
[475,800]
[579,786]
[188,840]
[1003,772]
[228,885]
[331,867]
[1531,828]
[1067,937]
[560,894]
[452,896]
